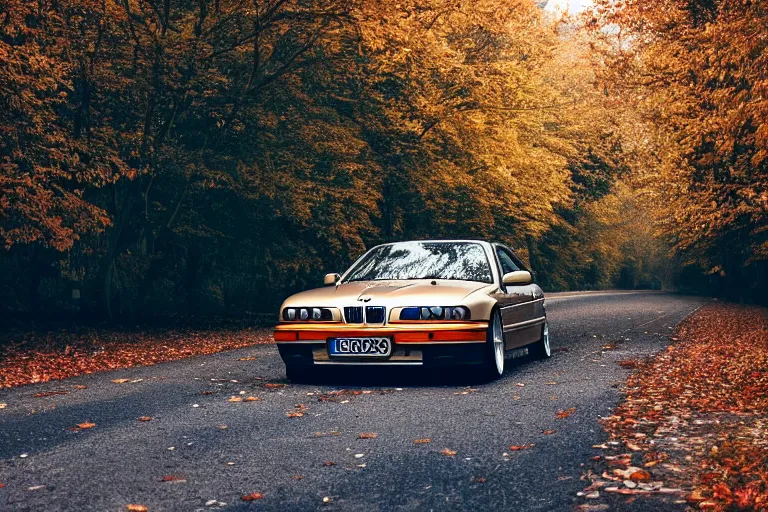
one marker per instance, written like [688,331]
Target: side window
[507,264]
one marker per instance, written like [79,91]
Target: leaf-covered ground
[30,357]
[694,426]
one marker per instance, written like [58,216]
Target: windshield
[464,261]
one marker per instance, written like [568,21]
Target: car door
[521,306]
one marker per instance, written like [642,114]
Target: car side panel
[521,307]
[522,312]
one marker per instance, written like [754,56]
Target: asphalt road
[47,466]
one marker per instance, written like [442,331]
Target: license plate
[360,347]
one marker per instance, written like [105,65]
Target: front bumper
[414,344]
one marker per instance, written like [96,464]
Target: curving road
[46,466]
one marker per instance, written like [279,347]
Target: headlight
[435,313]
[307,314]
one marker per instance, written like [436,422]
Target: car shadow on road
[393,376]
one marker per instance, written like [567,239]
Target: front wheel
[493,360]
[541,349]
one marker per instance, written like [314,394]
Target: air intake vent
[353,314]
[374,315]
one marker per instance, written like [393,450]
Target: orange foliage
[701,406]
[51,356]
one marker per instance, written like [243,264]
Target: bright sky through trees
[573,6]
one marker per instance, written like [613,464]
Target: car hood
[420,292]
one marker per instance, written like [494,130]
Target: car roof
[436,241]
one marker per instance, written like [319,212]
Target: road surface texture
[47,464]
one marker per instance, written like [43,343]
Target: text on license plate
[380,347]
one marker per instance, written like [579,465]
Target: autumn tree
[213,156]
[695,73]
[45,165]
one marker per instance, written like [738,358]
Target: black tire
[299,374]
[542,348]
[492,367]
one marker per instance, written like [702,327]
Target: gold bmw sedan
[420,303]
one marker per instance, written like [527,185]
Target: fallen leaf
[586,507]
[448,452]
[520,384]
[251,399]
[519,447]
[145,418]
[235,399]
[367,435]
[271,385]
[252,497]
[640,476]
[86,425]
[173,478]
[3,405]
[327,499]
[328,463]
[294,414]
[298,477]
[50,393]
[564,414]
[123,381]
[247,359]
[478,479]
[548,432]
[136,508]
[422,441]
[2,485]
[80,386]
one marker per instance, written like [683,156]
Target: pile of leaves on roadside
[36,356]
[694,425]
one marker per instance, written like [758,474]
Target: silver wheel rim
[498,344]
[545,338]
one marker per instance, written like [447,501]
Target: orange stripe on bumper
[400,335]
[427,337]
[286,336]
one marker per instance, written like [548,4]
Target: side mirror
[519,277]
[331,279]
